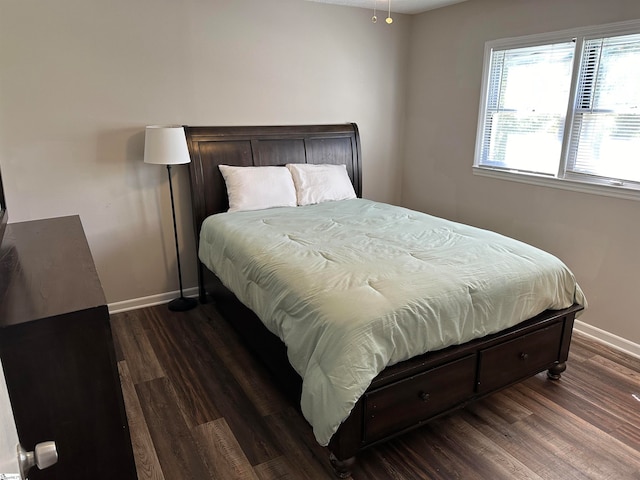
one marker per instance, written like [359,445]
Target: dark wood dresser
[57,352]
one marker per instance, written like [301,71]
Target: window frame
[562,179]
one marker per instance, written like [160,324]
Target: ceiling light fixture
[374,19]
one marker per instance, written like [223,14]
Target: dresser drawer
[406,402]
[520,358]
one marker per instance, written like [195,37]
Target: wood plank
[195,393]
[146,458]
[489,456]
[593,453]
[135,346]
[408,457]
[588,390]
[519,439]
[251,375]
[629,434]
[583,343]
[619,372]
[277,469]
[206,387]
[499,407]
[174,443]
[295,439]
[430,452]
[598,452]
[117,347]
[222,452]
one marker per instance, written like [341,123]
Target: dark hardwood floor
[200,407]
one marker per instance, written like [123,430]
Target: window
[564,109]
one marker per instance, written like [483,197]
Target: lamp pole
[181,303]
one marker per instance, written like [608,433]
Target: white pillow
[321,183]
[255,188]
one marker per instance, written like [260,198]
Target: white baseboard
[607,338]
[150,301]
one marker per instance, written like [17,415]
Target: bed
[396,397]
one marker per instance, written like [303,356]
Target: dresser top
[46,269]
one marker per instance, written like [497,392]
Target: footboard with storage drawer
[406,402]
[411,393]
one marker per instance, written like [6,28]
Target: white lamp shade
[165,145]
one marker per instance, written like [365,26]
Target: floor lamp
[167,145]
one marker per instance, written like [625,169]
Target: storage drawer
[520,358]
[406,402]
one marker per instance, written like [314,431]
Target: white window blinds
[527,97]
[562,109]
[605,133]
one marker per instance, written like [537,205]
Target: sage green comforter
[354,286]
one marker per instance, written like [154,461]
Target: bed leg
[555,372]
[345,443]
[342,468]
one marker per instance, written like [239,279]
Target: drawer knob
[524,356]
[424,396]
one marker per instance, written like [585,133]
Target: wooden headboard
[262,146]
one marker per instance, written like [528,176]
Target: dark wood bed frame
[403,396]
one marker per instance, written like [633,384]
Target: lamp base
[182,304]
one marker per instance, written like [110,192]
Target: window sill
[562,183]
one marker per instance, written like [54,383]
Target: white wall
[79,80]
[596,236]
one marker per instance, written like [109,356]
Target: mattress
[354,286]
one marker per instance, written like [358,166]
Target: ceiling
[398,6]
